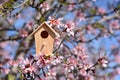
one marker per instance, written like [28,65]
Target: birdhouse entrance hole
[44,34]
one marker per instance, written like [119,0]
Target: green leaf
[11,77]
[98,25]
[1,12]
[65,60]
[41,1]
[93,11]
[21,76]
[42,19]
[8,5]
[118,6]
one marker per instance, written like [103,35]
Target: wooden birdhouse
[44,38]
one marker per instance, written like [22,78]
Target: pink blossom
[88,4]
[83,56]
[23,33]
[10,20]
[114,24]
[51,73]
[118,71]
[90,29]
[94,0]
[62,78]
[4,44]
[13,63]
[57,60]
[101,10]
[117,58]
[33,65]
[55,22]
[89,77]
[30,24]
[39,79]
[80,51]
[70,7]
[113,47]
[45,6]
[57,41]
[71,76]
[103,62]
[28,65]
[72,61]
[19,15]
[6,71]
[70,25]
[30,68]
[83,72]
[80,16]
[4,52]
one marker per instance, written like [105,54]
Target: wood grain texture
[44,45]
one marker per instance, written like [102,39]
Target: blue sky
[101,3]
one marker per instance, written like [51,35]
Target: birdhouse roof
[42,25]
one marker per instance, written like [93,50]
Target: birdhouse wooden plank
[44,39]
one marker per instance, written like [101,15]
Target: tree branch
[7,29]
[12,38]
[105,14]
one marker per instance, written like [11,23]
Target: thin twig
[60,44]
[20,4]
[90,40]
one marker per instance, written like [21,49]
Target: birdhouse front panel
[44,39]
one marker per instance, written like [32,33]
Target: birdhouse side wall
[44,45]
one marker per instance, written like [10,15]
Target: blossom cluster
[41,67]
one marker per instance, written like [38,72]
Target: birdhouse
[44,38]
